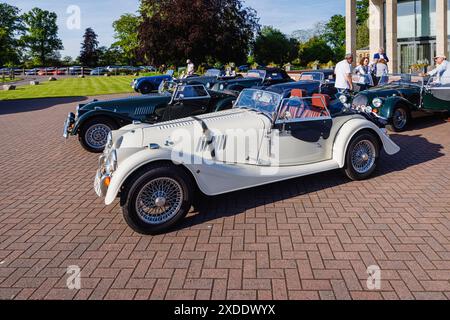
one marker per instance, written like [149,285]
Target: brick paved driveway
[310,238]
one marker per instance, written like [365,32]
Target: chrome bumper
[68,125]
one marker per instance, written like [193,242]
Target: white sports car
[157,171]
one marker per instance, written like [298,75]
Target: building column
[391,35]
[376,25]
[350,26]
[441,27]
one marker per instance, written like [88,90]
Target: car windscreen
[191,92]
[256,74]
[315,76]
[407,79]
[259,100]
[213,73]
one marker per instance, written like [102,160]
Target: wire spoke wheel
[97,135]
[363,156]
[400,118]
[159,200]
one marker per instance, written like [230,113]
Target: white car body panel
[218,176]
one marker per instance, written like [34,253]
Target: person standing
[343,72]
[381,55]
[190,68]
[442,71]
[382,70]
[363,70]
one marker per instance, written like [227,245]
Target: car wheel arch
[90,117]
[146,166]
[352,128]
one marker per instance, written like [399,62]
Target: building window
[416,18]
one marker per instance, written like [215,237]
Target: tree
[174,30]
[89,54]
[315,49]
[271,45]
[41,37]
[304,35]
[11,25]
[110,56]
[126,34]
[334,35]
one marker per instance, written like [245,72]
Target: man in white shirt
[190,68]
[442,71]
[343,73]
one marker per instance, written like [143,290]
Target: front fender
[350,129]
[130,165]
[387,110]
[98,113]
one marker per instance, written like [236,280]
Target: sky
[286,15]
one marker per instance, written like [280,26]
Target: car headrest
[320,100]
[299,93]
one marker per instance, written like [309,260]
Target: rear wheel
[158,199]
[146,88]
[362,156]
[93,134]
[400,119]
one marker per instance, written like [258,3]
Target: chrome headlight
[377,102]
[208,85]
[343,98]
[111,162]
[368,109]
[221,87]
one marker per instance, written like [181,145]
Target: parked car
[100,71]
[158,171]
[46,71]
[59,71]
[32,72]
[92,122]
[320,81]
[76,70]
[146,85]
[399,98]
[210,78]
[243,68]
[255,78]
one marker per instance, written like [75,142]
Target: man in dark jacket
[381,55]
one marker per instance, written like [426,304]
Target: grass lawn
[7,80]
[72,87]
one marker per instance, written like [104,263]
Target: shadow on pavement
[414,151]
[19,106]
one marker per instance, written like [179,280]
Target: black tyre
[400,119]
[94,133]
[146,88]
[362,156]
[157,199]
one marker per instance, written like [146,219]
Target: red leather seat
[299,93]
[318,108]
[321,100]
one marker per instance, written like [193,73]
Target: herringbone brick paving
[309,238]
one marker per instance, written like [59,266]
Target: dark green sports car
[93,122]
[399,98]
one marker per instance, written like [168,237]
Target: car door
[189,100]
[304,126]
[436,97]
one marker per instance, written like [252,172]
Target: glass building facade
[416,26]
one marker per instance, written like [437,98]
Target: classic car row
[189,140]
[179,98]
[201,139]
[399,98]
